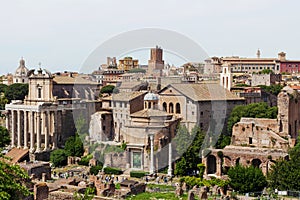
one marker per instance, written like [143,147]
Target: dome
[151,97]
[21,70]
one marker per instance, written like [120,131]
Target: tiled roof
[127,96]
[17,154]
[205,92]
[72,80]
[150,113]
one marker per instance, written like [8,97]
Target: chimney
[281,56]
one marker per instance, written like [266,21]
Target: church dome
[21,70]
[151,97]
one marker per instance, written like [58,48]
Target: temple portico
[32,127]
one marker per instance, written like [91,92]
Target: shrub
[85,160]
[58,157]
[94,170]
[111,170]
[137,174]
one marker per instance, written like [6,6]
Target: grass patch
[161,187]
[154,196]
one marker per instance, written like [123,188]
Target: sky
[61,34]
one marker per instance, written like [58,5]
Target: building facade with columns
[45,119]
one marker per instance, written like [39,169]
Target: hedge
[111,170]
[138,174]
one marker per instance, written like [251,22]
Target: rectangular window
[250,140]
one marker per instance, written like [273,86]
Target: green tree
[273,89]
[74,146]
[246,179]
[4,137]
[3,88]
[107,89]
[285,174]
[16,91]
[12,178]
[190,158]
[3,102]
[58,158]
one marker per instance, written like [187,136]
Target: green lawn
[156,196]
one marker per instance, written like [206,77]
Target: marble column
[54,124]
[32,124]
[7,120]
[46,129]
[151,153]
[25,130]
[19,128]
[38,132]
[170,160]
[13,128]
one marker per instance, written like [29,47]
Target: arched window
[165,106]
[178,111]
[171,108]
[149,105]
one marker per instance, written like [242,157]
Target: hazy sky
[62,33]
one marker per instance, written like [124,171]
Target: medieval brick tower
[156,63]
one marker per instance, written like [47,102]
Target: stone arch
[237,161]
[211,164]
[171,107]
[256,162]
[178,110]
[165,106]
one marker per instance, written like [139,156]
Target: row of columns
[35,123]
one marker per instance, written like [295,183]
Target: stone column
[46,129]
[19,129]
[25,130]
[32,125]
[13,128]
[54,125]
[170,160]
[38,132]
[151,153]
[7,120]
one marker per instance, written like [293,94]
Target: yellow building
[128,63]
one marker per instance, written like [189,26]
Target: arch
[256,162]
[149,105]
[211,164]
[165,106]
[237,161]
[178,111]
[171,108]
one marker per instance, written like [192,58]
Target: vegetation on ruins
[246,179]
[285,174]
[13,179]
[189,146]
[273,89]
[253,110]
[88,194]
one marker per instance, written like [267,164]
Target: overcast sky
[62,33]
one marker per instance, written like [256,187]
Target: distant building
[128,63]
[265,79]
[20,75]
[156,62]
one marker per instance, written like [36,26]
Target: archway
[165,106]
[178,111]
[171,108]
[256,162]
[211,164]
